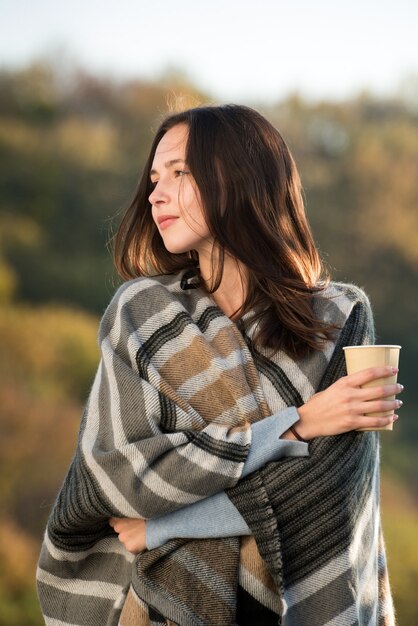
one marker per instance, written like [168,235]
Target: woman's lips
[166,221]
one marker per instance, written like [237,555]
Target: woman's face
[175,199]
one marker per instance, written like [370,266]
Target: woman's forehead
[174,141]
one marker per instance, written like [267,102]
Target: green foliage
[400,525]
[48,364]
[18,554]
[51,350]
[7,282]
[20,608]
[49,356]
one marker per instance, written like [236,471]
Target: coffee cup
[359,358]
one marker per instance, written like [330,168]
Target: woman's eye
[181,172]
[153,183]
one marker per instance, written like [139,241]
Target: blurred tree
[7,282]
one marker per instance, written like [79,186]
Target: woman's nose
[158,195]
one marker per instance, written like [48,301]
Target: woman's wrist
[297,435]
[303,431]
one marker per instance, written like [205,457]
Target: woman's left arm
[214,516]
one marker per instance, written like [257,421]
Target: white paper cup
[359,358]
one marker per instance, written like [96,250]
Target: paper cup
[359,358]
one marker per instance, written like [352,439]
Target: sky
[234,50]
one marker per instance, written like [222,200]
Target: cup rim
[371,346]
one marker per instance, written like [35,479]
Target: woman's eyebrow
[168,164]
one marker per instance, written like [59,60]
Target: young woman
[220,478]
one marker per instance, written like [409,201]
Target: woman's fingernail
[399,403]
[395,417]
[395,370]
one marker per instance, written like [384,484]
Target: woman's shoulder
[160,282]
[348,291]
[138,299]
[336,300]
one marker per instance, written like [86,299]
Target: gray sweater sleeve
[216,516]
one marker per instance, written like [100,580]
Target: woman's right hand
[344,405]
[131,532]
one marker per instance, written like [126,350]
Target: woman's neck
[230,295]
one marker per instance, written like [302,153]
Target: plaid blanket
[168,423]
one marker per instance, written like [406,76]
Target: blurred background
[83,86]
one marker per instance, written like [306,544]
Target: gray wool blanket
[167,423]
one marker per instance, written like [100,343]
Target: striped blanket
[168,423]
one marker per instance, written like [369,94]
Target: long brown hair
[252,200]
